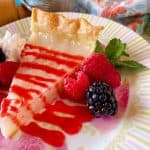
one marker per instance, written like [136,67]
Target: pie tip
[8,128]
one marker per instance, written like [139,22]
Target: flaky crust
[48,22]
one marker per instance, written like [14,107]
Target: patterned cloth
[132,13]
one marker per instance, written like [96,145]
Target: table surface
[11,12]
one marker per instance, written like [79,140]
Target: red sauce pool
[55,138]
[69,125]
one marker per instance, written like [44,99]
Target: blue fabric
[18,2]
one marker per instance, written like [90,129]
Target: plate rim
[28,18]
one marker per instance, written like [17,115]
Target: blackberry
[2,56]
[101,100]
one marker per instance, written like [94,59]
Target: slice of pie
[57,46]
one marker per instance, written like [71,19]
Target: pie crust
[48,22]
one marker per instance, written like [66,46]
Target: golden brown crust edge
[48,21]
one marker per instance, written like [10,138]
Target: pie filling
[64,42]
[34,84]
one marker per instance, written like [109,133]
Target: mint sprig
[128,64]
[114,51]
[99,47]
[125,54]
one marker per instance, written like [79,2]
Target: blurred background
[134,14]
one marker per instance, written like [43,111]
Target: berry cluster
[95,82]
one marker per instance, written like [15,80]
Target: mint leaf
[130,64]
[125,54]
[99,48]
[115,49]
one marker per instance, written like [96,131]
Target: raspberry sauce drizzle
[28,76]
[31,80]
[70,125]
[79,114]
[55,53]
[44,80]
[48,69]
[51,137]
[4,104]
[22,92]
[52,58]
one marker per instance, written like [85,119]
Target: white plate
[133,131]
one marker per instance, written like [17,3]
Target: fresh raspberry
[122,95]
[7,71]
[75,87]
[113,77]
[2,95]
[98,68]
